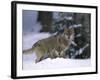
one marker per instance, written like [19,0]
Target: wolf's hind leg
[38,59]
[40,56]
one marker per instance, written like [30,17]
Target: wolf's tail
[28,50]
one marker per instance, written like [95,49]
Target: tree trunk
[45,18]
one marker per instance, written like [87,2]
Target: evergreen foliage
[82,50]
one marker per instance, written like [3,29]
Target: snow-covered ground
[29,59]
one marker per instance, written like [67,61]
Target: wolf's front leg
[53,54]
[62,54]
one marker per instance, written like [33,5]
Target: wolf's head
[68,33]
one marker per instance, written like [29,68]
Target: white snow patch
[29,63]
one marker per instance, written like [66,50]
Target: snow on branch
[80,51]
[73,43]
[76,26]
[78,35]
[69,18]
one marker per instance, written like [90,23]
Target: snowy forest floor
[58,63]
